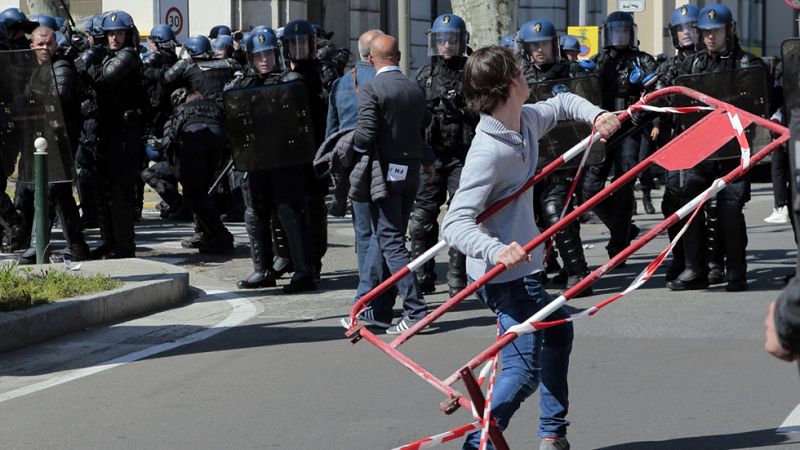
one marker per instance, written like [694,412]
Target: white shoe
[779,216]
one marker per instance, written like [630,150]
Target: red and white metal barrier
[721,124]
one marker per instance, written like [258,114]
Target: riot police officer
[685,37]
[333,59]
[625,72]
[274,190]
[721,52]
[223,47]
[67,86]
[449,135]
[114,72]
[85,160]
[219,30]
[570,48]
[161,176]
[300,51]
[17,26]
[538,43]
[199,123]
[10,219]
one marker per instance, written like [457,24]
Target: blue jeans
[368,252]
[390,222]
[542,356]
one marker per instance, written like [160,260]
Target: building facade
[762,25]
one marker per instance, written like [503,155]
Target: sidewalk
[148,286]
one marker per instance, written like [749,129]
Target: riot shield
[747,89]
[269,127]
[568,132]
[30,109]
[790,55]
[790,52]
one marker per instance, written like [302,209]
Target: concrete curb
[148,286]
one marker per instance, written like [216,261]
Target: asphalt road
[231,369]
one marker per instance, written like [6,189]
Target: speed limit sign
[175,13]
[175,20]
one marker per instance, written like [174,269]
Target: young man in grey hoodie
[501,159]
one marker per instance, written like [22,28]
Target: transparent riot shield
[269,127]
[29,109]
[569,132]
[746,88]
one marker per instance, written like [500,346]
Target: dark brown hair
[487,74]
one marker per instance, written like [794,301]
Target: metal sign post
[41,216]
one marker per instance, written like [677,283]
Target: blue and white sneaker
[401,326]
[368,317]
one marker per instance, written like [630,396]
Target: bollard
[40,217]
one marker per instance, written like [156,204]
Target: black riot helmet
[619,31]
[299,40]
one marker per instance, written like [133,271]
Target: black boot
[297,236]
[688,280]
[716,273]
[647,201]
[714,247]
[260,252]
[732,227]
[17,238]
[570,245]
[283,258]
[423,231]
[456,272]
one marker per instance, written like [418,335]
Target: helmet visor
[619,34]
[301,47]
[447,44]
[265,61]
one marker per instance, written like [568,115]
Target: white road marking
[241,311]
[792,423]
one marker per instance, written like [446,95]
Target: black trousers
[196,162]
[118,169]
[615,211]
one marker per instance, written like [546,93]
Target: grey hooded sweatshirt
[499,163]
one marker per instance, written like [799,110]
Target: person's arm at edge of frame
[783,324]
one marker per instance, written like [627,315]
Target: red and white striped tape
[487,408]
[694,206]
[669,109]
[447,436]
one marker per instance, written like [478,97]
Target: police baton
[221,176]
[69,15]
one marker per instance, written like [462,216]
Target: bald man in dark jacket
[391,119]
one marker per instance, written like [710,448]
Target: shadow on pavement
[749,439]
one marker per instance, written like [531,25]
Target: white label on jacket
[397,172]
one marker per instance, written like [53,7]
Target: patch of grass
[22,288]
